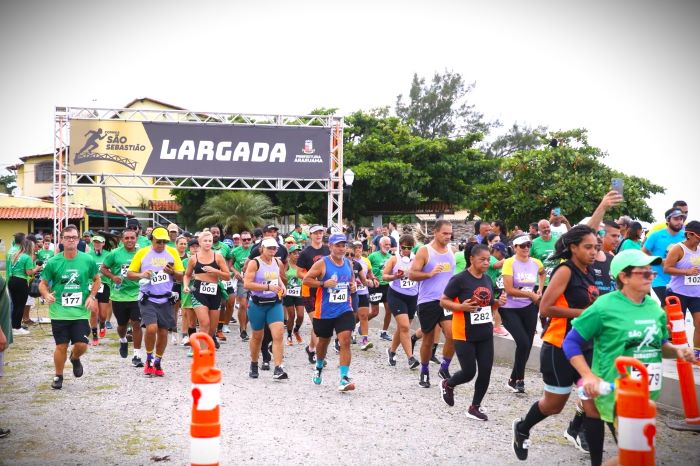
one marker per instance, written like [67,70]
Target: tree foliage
[441,108]
[237,210]
[7,183]
[516,139]
[571,176]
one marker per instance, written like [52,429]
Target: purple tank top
[403,285]
[687,285]
[361,289]
[266,273]
[524,278]
[432,288]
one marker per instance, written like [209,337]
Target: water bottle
[604,388]
[144,282]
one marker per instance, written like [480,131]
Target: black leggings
[521,323]
[19,292]
[264,348]
[473,355]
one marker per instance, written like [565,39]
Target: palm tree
[237,210]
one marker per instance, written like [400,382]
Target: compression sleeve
[572,344]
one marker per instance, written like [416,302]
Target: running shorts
[402,303]
[292,301]
[211,301]
[103,296]
[155,313]
[70,331]
[689,303]
[378,294]
[431,314]
[324,328]
[558,374]
[125,311]
[260,315]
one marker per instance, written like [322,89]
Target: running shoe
[279,374]
[384,335]
[289,341]
[77,367]
[233,321]
[57,383]
[265,366]
[136,361]
[244,336]
[253,374]
[95,341]
[353,339]
[28,322]
[158,371]
[310,354]
[500,331]
[521,442]
[476,412]
[19,331]
[129,335]
[578,439]
[444,374]
[220,335]
[414,340]
[103,332]
[391,357]
[447,393]
[217,345]
[317,378]
[366,345]
[511,385]
[345,384]
[185,340]
[173,338]
[424,380]
[124,349]
[226,329]
[520,386]
[148,369]
[413,363]
[336,346]
[108,325]
[434,359]
[298,337]
[4,433]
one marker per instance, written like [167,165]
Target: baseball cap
[336,238]
[257,232]
[160,233]
[270,227]
[193,242]
[290,239]
[173,227]
[672,213]
[235,235]
[315,228]
[99,238]
[500,246]
[631,257]
[132,222]
[294,247]
[88,233]
[357,243]
[228,242]
[521,240]
[269,243]
[693,226]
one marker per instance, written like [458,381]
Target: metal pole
[105,219]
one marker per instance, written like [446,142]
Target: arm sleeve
[507,268]
[135,265]
[573,344]
[539,264]
[177,262]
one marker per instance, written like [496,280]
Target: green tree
[516,139]
[441,108]
[571,176]
[7,183]
[237,210]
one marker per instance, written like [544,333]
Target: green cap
[631,257]
[294,247]
[99,238]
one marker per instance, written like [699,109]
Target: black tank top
[198,266]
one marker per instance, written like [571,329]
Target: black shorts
[362,300]
[103,296]
[379,294]
[310,301]
[689,303]
[157,313]
[125,311]
[661,294]
[323,328]
[431,314]
[402,303]
[70,331]
[558,374]
[292,301]
[211,301]
[177,287]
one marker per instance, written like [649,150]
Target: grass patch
[105,387]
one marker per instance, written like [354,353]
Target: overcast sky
[628,71]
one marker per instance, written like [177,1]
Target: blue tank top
[335,301]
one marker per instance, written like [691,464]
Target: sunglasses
[159,241]
[647,274]
[272,248]
[406,248]
[525,245]
[246,239]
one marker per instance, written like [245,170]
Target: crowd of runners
[587,287]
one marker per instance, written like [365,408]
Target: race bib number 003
[159,277]
[207,288]
[338,295]
[691,280]
[482,316]
[72,299]
[655,370]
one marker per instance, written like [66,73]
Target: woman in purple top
[521,274]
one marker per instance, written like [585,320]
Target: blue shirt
[658,244]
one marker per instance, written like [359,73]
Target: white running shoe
[185,340]
[226,329]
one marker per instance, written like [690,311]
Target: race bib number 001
[406,283]
[655,370]
[159,277]
[207,288]
[294,292]
[691,280]
[482,316]
[338,295]
[72,299]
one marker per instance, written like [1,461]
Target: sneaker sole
[366,347]
[442,391]
[514,438]
[573,441]
[347,388]
[471,416]
[511,389]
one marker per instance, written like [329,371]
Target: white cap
[269,243]
[521,239]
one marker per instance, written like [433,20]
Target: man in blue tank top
[334,280]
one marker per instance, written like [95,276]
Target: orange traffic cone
[205,429]
[686,379]
[636,415]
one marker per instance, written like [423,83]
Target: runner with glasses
[239,256]
[659,244]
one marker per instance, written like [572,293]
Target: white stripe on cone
[631,433]
[678,326]
[210,396]
[205,450]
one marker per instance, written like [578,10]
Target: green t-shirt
[630,244]
[117,261]
[223,249]
[620,327]
[377,261]
[171,244]
[543,251]
[99,260]
[239,256]
[299,237]
[44,254]
[417,247]
[19,268]
[142,242]
[494,274]
[8,259]
[70,281]
[460,262]
[5,311]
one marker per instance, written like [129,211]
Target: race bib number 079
[655,370]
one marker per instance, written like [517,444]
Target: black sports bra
[198,266]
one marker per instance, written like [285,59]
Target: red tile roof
[36,213]
[167,206]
